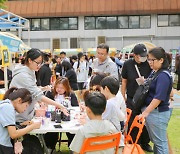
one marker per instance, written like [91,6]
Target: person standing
[129,86]
[103,62]
[156,107]
[45,71]
[24,77]
[178,71]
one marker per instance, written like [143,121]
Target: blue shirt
[160,89]
[7,118]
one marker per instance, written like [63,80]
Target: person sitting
[14,100]
[95,103]
[61,91]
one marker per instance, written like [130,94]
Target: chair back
[139,123]
[101,143]
[128,113]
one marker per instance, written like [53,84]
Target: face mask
[142,59]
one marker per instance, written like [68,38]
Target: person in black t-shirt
[129,86]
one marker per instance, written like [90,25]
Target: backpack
[143,90]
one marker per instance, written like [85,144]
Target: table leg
[41,138]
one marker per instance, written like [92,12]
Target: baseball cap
[140,49]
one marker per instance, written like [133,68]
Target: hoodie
[24,77]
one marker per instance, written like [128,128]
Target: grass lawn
[173,134]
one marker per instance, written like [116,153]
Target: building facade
[85,23]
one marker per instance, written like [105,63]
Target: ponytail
[14,93]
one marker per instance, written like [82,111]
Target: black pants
[6,150]
[51,139]
[144,138]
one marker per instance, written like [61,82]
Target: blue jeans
[156,124]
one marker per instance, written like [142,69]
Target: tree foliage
[2,3]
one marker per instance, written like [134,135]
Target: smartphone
[57,126]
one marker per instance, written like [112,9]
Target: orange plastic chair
[139,123]
[106,142]
[128,113]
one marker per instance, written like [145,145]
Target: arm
[52,102]
[123,88]
[154,103]
[13,133]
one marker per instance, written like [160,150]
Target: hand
[64,110]
[36,125]
[26,123]
[143,115]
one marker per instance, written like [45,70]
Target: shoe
[147,147]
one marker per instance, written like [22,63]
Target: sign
[5,55]
[11,43]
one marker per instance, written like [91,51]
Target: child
[14,100]
[113,112]
[95,105]
[110,87]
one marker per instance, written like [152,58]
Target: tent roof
[9,20]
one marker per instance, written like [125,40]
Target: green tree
[2,3]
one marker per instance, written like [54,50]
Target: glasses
[151,60]
[38,64]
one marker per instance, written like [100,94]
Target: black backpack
[143,90]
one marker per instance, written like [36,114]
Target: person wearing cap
[103,62]
[129,85]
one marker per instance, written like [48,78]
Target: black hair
[158,53]
[62,53]
[14,93]
[74,57]
[33,54]
[96,79]
[96,101]
[67,65]
[111,83]
[103,46]
[46,57]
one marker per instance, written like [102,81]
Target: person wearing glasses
[24,77]
[129,85]
[103,62]
[156,108]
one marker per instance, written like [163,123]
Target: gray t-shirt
[93,128]
[108,66]
[7,118]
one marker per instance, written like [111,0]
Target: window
[64,23]
[54,23]
[134,22]
[44,24]
[73,23]
[123,22]
[101,22]
[89,23]
[111,22]
[145,22]
[35,24]
[174,20]
[162,20]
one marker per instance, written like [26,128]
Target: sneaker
[147,147]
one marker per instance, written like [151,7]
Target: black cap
[140,49]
